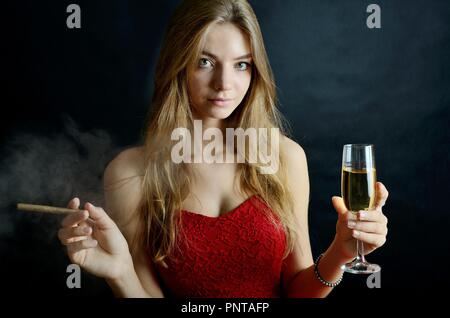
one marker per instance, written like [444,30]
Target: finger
[81,245]
[87,222]
[369,216]
[381,195]
[74,203]
[339,206]
[74,218]
[73,234]
[369,238]
[99,216]
[343,229]
[368,227]
[74,239]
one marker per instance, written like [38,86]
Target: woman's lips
[220,101]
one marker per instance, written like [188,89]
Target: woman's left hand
[369,227]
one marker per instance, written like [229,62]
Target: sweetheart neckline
[232,211]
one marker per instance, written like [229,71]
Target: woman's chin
[214,112]
[219,113]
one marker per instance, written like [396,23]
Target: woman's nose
[222,79]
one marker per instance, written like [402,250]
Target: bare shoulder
[295,155]
[128,163]
[122,183]
[297,170]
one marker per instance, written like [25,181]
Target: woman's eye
[204,63]
[243,66]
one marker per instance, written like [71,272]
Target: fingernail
[351,224]
[362,214]
[355,233]
[87,229]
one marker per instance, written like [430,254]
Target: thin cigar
[45,208]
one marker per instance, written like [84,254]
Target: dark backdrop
[73,98]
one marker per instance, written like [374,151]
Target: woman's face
[219,80]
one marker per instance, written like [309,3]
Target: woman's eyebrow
[246,56]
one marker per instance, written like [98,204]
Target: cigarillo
[45,209]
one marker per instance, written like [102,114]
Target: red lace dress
[238,254]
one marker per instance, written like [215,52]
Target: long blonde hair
[166,184]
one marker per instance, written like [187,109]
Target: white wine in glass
[358,181]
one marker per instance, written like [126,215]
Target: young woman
[212,229]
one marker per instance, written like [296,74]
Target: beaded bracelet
[323,281]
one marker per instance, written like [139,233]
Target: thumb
[99,216]
[339,206]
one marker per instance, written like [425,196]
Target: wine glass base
[358,267]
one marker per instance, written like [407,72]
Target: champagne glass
[358,191]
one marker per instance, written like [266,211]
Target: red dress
[238,254]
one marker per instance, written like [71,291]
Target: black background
[338,82]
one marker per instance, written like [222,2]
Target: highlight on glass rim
[224,149]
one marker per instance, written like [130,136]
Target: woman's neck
[206,123]
[212,123]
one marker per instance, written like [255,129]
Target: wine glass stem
[360,249]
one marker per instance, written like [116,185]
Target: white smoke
[50,170]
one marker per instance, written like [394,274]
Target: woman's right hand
[95,242]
